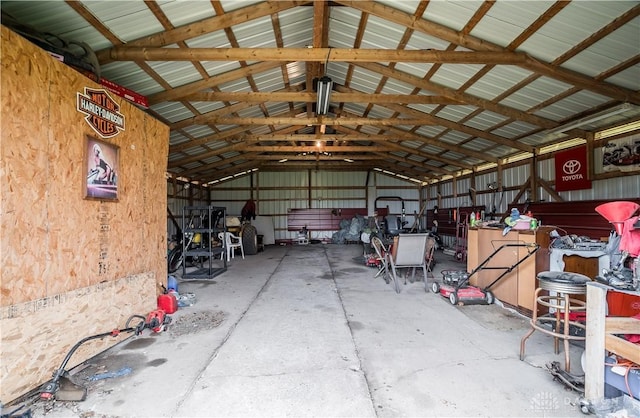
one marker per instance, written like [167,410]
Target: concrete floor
[308,331]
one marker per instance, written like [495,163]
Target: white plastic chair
[231,242]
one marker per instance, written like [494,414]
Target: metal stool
[564,285]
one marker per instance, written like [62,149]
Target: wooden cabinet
[516,287]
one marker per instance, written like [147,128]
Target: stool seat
[563,282]
[564,277]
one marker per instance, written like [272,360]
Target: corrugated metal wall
[277,192]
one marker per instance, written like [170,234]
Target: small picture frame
[102,166]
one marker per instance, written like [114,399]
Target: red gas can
[168,303]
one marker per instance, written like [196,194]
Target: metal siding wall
[335,189]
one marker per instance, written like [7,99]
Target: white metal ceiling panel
[455,75]
[205,107]
[608,53]
[453,137]
[172,111]
[56,18]
[296,27]
[561,33]
[230,5]
[257,33]
[627,78]
[199,131]
[454,14]
[511,130]
[424,108]
[381,34]
[420,40]
[534,93]
[217,39]
[176,137]
[430,131]
[506,20]
[176,73]
[343,27]
[364,80]
[456,113]
[392,86]
[129,21]
[485,120]
[181,13]
[416,69]
[494,82]
[576,103]
[407,6]
[127,73]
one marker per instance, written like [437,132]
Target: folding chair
[410,252]
[382,256]
[428,255]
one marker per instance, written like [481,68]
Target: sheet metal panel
[257,33]
[172,111]
[294,21]
[455,75]
[343,26]
[454,14]
[540,90]
[561,33]
[180,15]
[496,81]
[57,18]
[129,21]
[381,34]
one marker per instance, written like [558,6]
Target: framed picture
[101,169]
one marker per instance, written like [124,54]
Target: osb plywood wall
[70,267]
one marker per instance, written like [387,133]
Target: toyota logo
[571,167]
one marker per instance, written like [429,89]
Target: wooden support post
[590,148]
[594,345]
[533,176]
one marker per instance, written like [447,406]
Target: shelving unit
[200,228]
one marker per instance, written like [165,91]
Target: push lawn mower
[455,283]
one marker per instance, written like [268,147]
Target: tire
[174,259]
[488,296]
[249,239]
[435,287]
[453,298]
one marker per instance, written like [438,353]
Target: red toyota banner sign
[571,170]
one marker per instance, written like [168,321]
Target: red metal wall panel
[320,219]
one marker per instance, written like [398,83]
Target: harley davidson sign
[103,113]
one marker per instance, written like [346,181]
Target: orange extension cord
[629,365]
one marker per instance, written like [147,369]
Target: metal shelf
[200,226]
